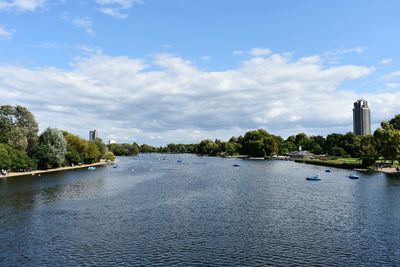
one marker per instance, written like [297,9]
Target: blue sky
[201,62]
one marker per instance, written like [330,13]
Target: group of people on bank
[3,172]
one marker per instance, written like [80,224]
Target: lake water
[201,211]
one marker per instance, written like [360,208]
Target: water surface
[153,210]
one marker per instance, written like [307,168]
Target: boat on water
[236,165]
[115,166]
[313,178]
[179,161]
[91,168]
[328,170]
[354,176]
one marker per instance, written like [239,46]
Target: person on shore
[3,172]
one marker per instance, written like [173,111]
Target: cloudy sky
[161,71]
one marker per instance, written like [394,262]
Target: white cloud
[121,3]
[260,51]
[169,99]
[391,76]
[5,33]
[116,8]
[88,50]
[393,85]
[256,52]
[21,5]
[114,12]
[356,50]
[386,61]
[84,23]
[334,57]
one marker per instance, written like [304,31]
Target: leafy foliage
[52,149]
[124,149]
[21,148]
[12,159]
[18,128]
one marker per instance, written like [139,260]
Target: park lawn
[344,163]
[344,160]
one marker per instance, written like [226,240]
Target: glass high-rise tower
[93,135]
[361,118]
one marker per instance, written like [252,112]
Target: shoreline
[388,170]
[60,169]
[348,166]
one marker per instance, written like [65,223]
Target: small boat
[313,178]
[91,168]
[179,161]
[327,170]
[115,166]
[354,176]
[236,165]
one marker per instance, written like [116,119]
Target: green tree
[333,144]
[52,148]
[92,153]
[109,156]
[101,146]
[147,149]
[5,159]
[12,159]
[260,143]
[18,128]
[337,151]
[350,143]
[207,147]
[289,145]
[387,140]
[271,144]
[367,150]
[254,148]
[395,122]
[76,148]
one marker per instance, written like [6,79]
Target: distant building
[361,118]
[301,154]
[93,135]
[112,141]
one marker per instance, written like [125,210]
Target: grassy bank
[342,163]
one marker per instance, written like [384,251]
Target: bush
[109,156]
[15,160]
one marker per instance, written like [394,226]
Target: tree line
[383,144]
[22,148]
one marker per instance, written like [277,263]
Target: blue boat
[236,165]
[313,178]
[354,176]
[91,168]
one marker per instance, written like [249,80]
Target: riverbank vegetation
[343,163]
[338,150]
[22,148]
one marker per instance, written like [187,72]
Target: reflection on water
[189,210]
